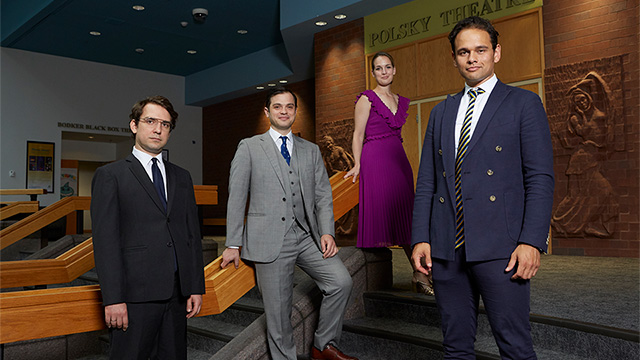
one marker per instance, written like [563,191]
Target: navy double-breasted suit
[507,192]
[507,178]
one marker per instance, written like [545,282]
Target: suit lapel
[452,103]
[143,178]
[272,154]
[171,185]
[496,98]
[299,156]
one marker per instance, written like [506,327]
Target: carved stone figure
[590,206]
[336,158]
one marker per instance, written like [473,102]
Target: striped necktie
[463,145]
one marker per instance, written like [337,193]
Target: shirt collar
[487,86]
[276,136]
[145,158]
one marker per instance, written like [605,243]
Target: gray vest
[295,210]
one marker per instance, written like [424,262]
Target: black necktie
[284,151]
[158,183]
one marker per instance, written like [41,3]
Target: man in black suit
[147,243]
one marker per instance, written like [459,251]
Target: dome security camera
[199,15]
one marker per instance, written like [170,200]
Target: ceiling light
[139,50]
[283,81]
[340,16]
[191,52]
[95,33]
[271,84]
[242,31]
[90,137]
[138,7]
[321,23]
[259,87]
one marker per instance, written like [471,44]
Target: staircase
[404,325]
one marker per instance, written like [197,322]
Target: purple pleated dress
[386,178]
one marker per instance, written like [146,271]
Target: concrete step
[399,317]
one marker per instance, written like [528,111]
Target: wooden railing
[65,268]
[63,311]
[19,207]
[33,193]
[36,314]
[42,218]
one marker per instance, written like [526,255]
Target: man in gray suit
[289,222]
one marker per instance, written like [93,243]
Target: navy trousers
[458,286]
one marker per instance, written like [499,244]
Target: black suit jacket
[134,239]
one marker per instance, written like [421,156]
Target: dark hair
[377,55]
[136,111]
[474,22]
[277,91]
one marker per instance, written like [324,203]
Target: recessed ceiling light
[340,16]
[95,33]
[90,137]
[138,7]
[242,31]
[271,84]
[259,87]
[139,50]
[321,23]
[191,52]
[283,81]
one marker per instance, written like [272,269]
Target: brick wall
[577,32]
[226,123]
[340,74]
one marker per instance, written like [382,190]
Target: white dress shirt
[276,138]
[145,160]
[481,101]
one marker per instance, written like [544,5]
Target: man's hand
[328,244]
[116,317]
[422,251]
[194,304]
[527,258]
[230,255]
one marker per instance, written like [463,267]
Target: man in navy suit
[147,244]
[483,199]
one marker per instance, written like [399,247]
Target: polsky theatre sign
[424,18]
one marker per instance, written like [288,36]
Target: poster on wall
[40,160]
[68,182]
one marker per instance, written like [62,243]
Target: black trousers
[157,330]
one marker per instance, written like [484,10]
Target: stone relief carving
[335,146]
[590,206]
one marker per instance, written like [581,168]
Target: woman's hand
[355,171]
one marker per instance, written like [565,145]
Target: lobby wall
[38,92]
[592,86]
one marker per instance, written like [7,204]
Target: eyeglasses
[168,125]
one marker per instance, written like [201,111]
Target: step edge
[587,327]
[431,344]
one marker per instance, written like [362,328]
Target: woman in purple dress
[386,178]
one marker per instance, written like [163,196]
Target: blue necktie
[463,145]
[158,183]
[284,151]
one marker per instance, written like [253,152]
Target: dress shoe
[329,352]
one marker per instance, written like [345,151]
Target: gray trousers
[275,280]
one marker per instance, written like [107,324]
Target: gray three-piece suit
[289,208]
